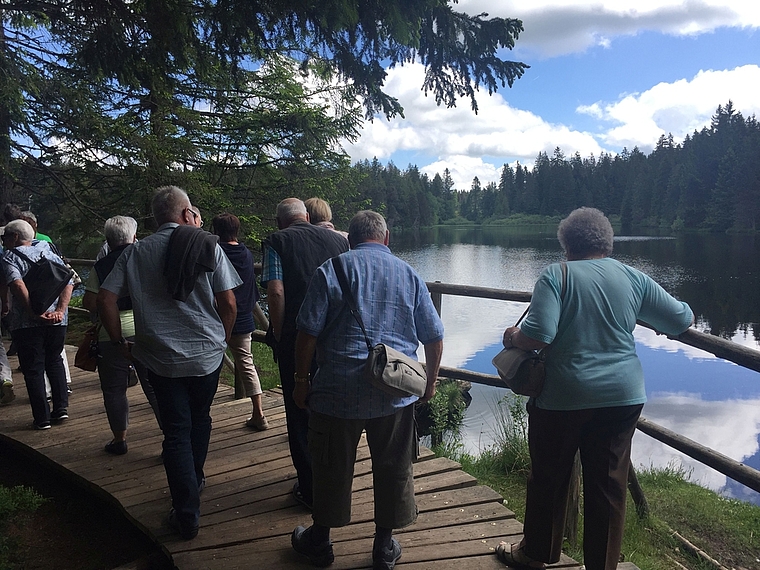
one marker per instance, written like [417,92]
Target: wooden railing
[719,347]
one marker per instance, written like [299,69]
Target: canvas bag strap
[348,297]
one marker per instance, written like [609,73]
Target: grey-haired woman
[594,390]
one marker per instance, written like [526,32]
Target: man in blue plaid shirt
[397,310]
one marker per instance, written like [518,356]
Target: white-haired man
[291,256]
[39,338]
[396,308]
[180,283]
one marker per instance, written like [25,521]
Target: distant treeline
[710,182]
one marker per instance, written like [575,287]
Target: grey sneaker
[259,424]
[386,558]
[6,392]
[59,415]
[320,555]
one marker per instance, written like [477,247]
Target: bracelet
[301,379]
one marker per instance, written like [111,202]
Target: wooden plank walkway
[247,510]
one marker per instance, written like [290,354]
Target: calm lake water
[691,392]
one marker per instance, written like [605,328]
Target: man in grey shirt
[180,283]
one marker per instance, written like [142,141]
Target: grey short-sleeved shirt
[172,338]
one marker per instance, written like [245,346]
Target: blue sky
[603,76]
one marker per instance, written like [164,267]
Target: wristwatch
[119,342]
[301,379]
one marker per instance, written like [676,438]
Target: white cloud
[463,169]
[557,27]
[679,108]
[459,139]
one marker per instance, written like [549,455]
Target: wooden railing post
[573,508]
[637,494]
[437,297]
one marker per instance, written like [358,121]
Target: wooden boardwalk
[247,510]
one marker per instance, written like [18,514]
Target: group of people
[171,303]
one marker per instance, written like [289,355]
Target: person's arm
[109,313]
[21,294]
[513,336]
[6,307]
[306,345]
[60,307]
[227,309]
[276,302]
[90,301]
[433,353]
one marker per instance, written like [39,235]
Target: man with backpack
[38,332]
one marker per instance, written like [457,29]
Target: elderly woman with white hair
[593,393]
[113,367]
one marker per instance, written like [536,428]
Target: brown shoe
[259,424]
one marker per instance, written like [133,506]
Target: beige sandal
[513,556]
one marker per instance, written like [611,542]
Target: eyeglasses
[196,215]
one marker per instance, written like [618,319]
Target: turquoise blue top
[592,362]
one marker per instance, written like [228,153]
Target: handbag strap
[348,297]
[561,293]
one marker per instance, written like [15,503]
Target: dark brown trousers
[392,444]
[603,436]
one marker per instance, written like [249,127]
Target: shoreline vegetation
[688,526]
[537,221]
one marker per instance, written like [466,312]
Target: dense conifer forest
[710,181]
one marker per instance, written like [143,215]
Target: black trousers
[603,436]
[39,351]
[297,419]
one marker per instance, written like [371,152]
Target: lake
[691,392]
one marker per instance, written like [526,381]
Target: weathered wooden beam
[481,292]
[722,463]
[720,347]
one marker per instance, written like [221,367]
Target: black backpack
[45,281]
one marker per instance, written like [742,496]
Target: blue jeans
[185,405]
[39,351]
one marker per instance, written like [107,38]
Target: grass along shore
[688,526]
